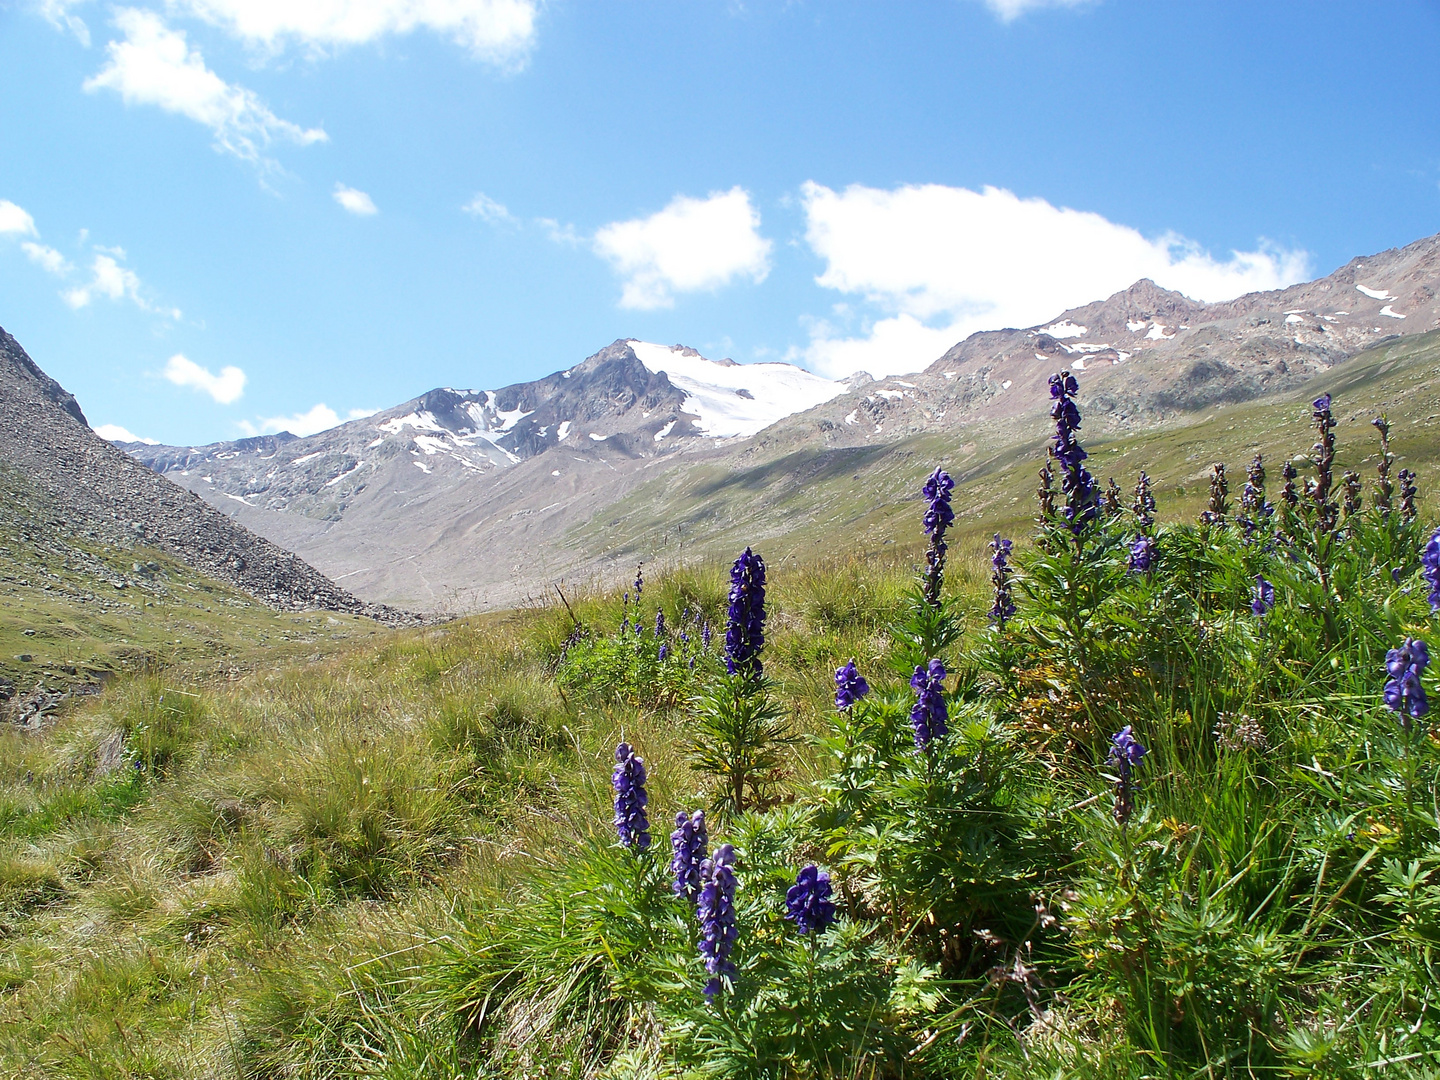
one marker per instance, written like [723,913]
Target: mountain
[73,492]
[464,499]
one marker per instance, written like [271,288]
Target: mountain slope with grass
[1084,818]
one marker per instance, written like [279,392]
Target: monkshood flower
[1142,555]
[807,902]
[659,623]
[1403,692]
[1114,499]
[1262,596]
[745,636]
[1288,493]
[938,518]
[1350,485]
[1430,561]
[1076,483]
[1144,505]
[850,686]
[663,653]
[1218,509]
[1045,493]
[1408,491]
[929,716]
[715,911]
[628,780]
[1254,510]
[688,843]
[705,637]
[1384,487]
[1000,574]
[639,584]
[1125,754]
[1319,491]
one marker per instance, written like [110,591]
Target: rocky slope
[85,492]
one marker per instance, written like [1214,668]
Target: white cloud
[57,14]
[498,31]
[356,202]
[691,245]
[560,234]
[116,433]
[47,258]
[155,65]
[939,263]
[1010,10]
[224,388]
[14,221]
[488,210]
[319,417]
[107,278]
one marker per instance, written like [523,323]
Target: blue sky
[217,216]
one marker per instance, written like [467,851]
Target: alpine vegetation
[688,846]
[715,911]
[628,780]
[929,715]
[745,632]
[850,685]
[938,518]
[807,902]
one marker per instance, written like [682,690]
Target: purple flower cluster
[1000,574]
[807,902]
[1144,505]
[938,518]
[850,686]
[1262,597]
[628,780]
[1430,561]
[746,634]
[688,844]
[1408,491]
[1254,510]
[1218,508]
[1076,483]
[929,716]
[1125,754]
[1318,489]
[1142,555]
[639,584]
[715,911]
[1403,692]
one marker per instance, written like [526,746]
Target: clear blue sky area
[218,215]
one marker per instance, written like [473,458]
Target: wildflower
[1384,489]
[1288,494]
[1319,490]
[929,716]
[715,910]
[1144,505]
[1114,500]
[1262,597]
[1076,483]
[1253,507]
[746,634]
[688,842]
[1350,485]
[1430,563]
[807,902]
[659,623]
[1403,692]
[1142,555]
[705,637]
[850,686]
[1408,491]
[1218,508]
[1000,574]
[1045,493]
[628,780]
[938,518]
[639,584]
[663,653]
[1237,732]
[1125,754]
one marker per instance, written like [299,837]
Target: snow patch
[1292,319]
[1388,310]
[891,395]
[854,417]
[418,464]
[665,431]
[554,472]
[1135,327]
[422,421]
[1376,294]
[237,498]
[1065,329]
[308,457]
[1078,363]
[1157,333]
[1005,385]
[775,390]
[562,430]
[598,438]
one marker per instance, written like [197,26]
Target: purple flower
[715,911]
[1144,505]
[745,636]
[664,652]
[807,902]
[1403,692]
[1262,597]
[628,780]
[639,584]
[1408,492]
[929,716]
[1430,560]
[850,686]
[1000,574]
[688,843]
[1125,754]
[1142,555]
[938,517]
[1076,483]
[659,623]
[705,637]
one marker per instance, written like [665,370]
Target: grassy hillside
[392,854]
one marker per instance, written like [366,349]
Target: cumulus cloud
[155,65]
[116,433]
[319,417]
[356,202]
[47,258]
[489,211]
[938,263]
[15,221]
[497,31]
[692,245]
[224,388]
[1010,10]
